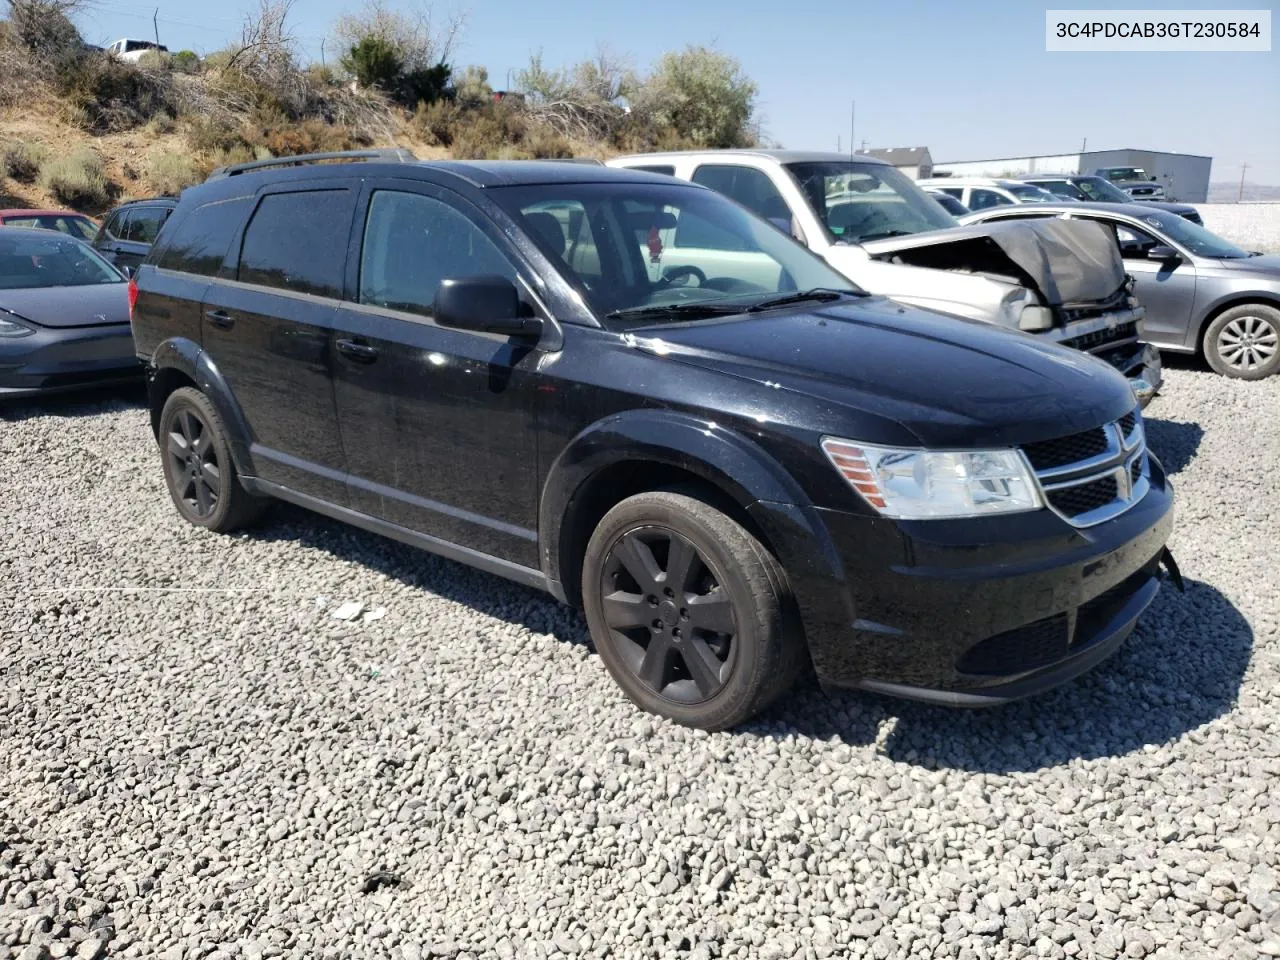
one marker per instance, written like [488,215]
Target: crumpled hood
[83,306]
[1066,261]
[950,382]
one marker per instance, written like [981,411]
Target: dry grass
[170,173]
[77,179]
[22,160]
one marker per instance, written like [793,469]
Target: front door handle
[360,352]
[220,319]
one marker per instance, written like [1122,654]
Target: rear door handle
[360,352]
[220,319]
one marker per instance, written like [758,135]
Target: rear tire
[198,469]
[1244,342]
[691,613]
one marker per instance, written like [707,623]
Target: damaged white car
[872,223]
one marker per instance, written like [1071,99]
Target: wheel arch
[645,450]
[181,362]
[1228,302]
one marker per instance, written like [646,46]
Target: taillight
[133,296]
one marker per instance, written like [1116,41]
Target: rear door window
[298,241]
[199,242]
[981,199]
[115,225]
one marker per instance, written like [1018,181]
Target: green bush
[103,94]
[185,61]
[375,62]
[434,122]
[22,161]
[76,179]
[702,95]
[171,173]
[485,134]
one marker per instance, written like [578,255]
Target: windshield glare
[1029,194]
[1195,238]
[857,202]
[1102,190]
[78,227]
[1061,188]
[49,259]
[628,247]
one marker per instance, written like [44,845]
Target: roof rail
[393,155]
[590,160]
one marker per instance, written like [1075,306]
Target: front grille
[1098,338]
[1092,476]
[1073,501]
[1014,651]
[1049,454]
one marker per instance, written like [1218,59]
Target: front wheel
[1244,342]
[690,613]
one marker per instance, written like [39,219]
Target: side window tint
[658,168]
[412,242]
[198,243]
[298,241]
[144,224]
[750,187]
[1134,243]
[115,225]
[980,199]
[953,192]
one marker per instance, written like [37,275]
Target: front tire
[1244,342]
[198,469]
[691,613]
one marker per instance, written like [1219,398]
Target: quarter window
[144,224]
[199,243]
[298,241]
[980,199]
[748,186]
[412,242]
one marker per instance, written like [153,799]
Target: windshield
[642,253]
[1103,191]
[81,228]
[1030,194]
[1061,188]
[46,259]
[1196,239]
[857,202]
[1127,173]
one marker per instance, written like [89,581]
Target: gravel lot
[197,759]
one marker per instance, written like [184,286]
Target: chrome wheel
[1248,342]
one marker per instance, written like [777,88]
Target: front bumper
[56,359]
[977,612]
[1140,363]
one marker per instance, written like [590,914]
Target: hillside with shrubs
[82,129]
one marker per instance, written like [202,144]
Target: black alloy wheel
[674,624]
[193,463]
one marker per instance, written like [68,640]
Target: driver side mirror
[126,270]
[1163,253]
[486,304]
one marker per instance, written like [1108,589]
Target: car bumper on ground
[52,360]
[980,612]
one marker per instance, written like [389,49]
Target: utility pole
[853,117]
[1084,143]
[323,66]
[1240,195]
[837,143]
[155,25]
[862,145]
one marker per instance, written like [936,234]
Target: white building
[915,162]
[1185,176]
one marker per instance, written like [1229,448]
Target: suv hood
[89,305]
[1063,261]
[950,382]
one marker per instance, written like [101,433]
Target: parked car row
[629,391]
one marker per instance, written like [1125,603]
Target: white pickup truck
[874,225]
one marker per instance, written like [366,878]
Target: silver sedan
[1201,293]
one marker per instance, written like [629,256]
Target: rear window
[78,227]
[199,241]
[298,241]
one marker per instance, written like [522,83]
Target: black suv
[734,459]
[126,236]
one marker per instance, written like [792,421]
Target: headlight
[10,329]
[927,484]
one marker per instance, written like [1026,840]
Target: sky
[969,82]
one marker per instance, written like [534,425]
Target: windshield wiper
[821,294]
[884,235]
[684,310]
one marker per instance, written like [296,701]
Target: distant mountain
[1229,192]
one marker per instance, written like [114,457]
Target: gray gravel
[198,760]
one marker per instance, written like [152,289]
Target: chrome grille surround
[1120,472]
